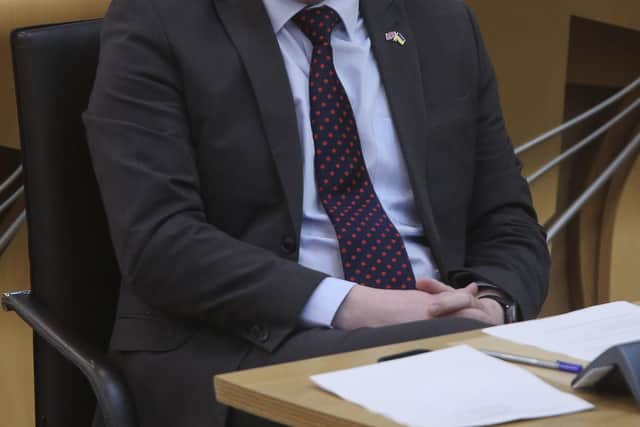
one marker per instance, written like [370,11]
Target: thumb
[473,288]
[432,286]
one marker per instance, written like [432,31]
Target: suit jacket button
[288,245]
[260,333]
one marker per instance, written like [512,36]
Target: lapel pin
[396,37]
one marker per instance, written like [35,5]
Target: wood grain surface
[284,393]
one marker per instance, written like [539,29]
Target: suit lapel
[400,70]
[249,28]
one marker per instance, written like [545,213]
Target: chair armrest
[112,393]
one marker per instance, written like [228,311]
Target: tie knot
[317,23]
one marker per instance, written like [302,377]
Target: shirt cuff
[325,302]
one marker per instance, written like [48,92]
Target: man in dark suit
[259,160]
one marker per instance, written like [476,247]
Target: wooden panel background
[535,60]
[529,42]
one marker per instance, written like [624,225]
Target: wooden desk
[284,393]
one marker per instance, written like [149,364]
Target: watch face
[510,314]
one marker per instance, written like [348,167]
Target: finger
[448,302]
[488,306]
[473,314]
[472,288]
[432,286]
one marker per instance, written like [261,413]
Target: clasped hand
[369,307]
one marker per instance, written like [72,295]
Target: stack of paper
[583,334]
[458,386]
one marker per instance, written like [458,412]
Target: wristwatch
[509,308]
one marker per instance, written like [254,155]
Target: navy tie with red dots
[372,251]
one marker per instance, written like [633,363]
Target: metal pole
[595,110]
[580,145]
[11,179]
[4,206]
[11,231]
[573,210]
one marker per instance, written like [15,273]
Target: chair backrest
[73,269]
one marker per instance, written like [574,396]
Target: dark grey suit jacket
[194,140]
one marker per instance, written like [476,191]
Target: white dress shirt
[358,72]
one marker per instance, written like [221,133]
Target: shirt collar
[281,11]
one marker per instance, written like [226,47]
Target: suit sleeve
[172,257]
[505,244]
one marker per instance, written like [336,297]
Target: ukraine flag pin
[396,37]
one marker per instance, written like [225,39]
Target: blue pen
[558,365]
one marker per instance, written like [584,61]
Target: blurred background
[554,60]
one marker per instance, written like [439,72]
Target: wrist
[509,307]
[505,306]
[366,307]
[494,310]
[352,312]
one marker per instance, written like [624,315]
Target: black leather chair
[74,274]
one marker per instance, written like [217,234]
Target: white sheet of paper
[458,386]
[583,334]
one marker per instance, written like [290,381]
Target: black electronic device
[617,370]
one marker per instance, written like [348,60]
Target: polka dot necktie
[372,251]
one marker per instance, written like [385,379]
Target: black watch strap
[508,307]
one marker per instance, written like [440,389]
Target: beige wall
[529,42]
[16,370]
[21,13]
[626,242]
